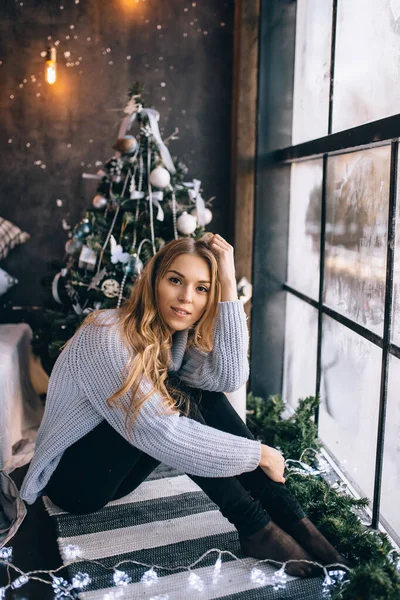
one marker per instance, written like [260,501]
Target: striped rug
[167,522]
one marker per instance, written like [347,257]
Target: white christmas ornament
[117,254]
[186,223]
[160,178]
[207,215]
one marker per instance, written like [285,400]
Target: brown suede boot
[272,542]
[308,536]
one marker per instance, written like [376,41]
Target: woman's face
[182,294]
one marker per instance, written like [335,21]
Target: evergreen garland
[376,574]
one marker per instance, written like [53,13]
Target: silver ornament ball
[73,246]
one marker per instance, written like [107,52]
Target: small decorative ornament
[6,554]
[134,266]
[126,145]
[121,578]
[160,177]
[73,246]
[117,254]
[207,215]
[99,201]
[110,288]
[244,290]
[58,288]
[80,580]
[87,259]
[186,223]
[83,229]
[195,582]
[19,582]
[149,577]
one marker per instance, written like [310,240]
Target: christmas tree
[141,203]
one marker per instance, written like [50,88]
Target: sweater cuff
[254,456]
[231,306]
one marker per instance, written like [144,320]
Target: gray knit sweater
[89,370]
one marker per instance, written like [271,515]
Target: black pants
[102,466]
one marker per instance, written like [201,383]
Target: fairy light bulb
[121,578]
[258,576]
[149,577]
[50,71]
[6,554]
[217,570]
[195,582]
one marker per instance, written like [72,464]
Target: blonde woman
[144,384]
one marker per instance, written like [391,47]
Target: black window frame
[275,155]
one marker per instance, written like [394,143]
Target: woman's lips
[180,314]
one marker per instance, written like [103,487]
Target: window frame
[275,155]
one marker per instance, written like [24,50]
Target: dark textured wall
[180,50]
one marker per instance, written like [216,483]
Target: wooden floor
[34,547]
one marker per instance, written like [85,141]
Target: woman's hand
[272,463]
[226,265]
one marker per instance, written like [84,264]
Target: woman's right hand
[272,463]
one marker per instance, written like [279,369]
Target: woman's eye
[173,279]
[203,289]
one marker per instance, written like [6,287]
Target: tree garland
[376,572]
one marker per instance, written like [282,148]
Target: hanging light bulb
[51,65]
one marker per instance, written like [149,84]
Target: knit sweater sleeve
[169,437]
[226,367]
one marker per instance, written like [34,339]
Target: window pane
[367,60]
[350,385]
[356,235]
[312,69]
[300,350]
[305,227]
[390,496]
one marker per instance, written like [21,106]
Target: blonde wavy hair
[143,330]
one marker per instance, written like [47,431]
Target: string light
[149,577]
[121,578]
[6,554]
[50,70]
[217,570]
[195,582]
[71,552]
[64,589]
[258,576]
[279,579]
[61,587]
[19,582]
[80,580]
[327,585]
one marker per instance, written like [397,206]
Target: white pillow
[6,282]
